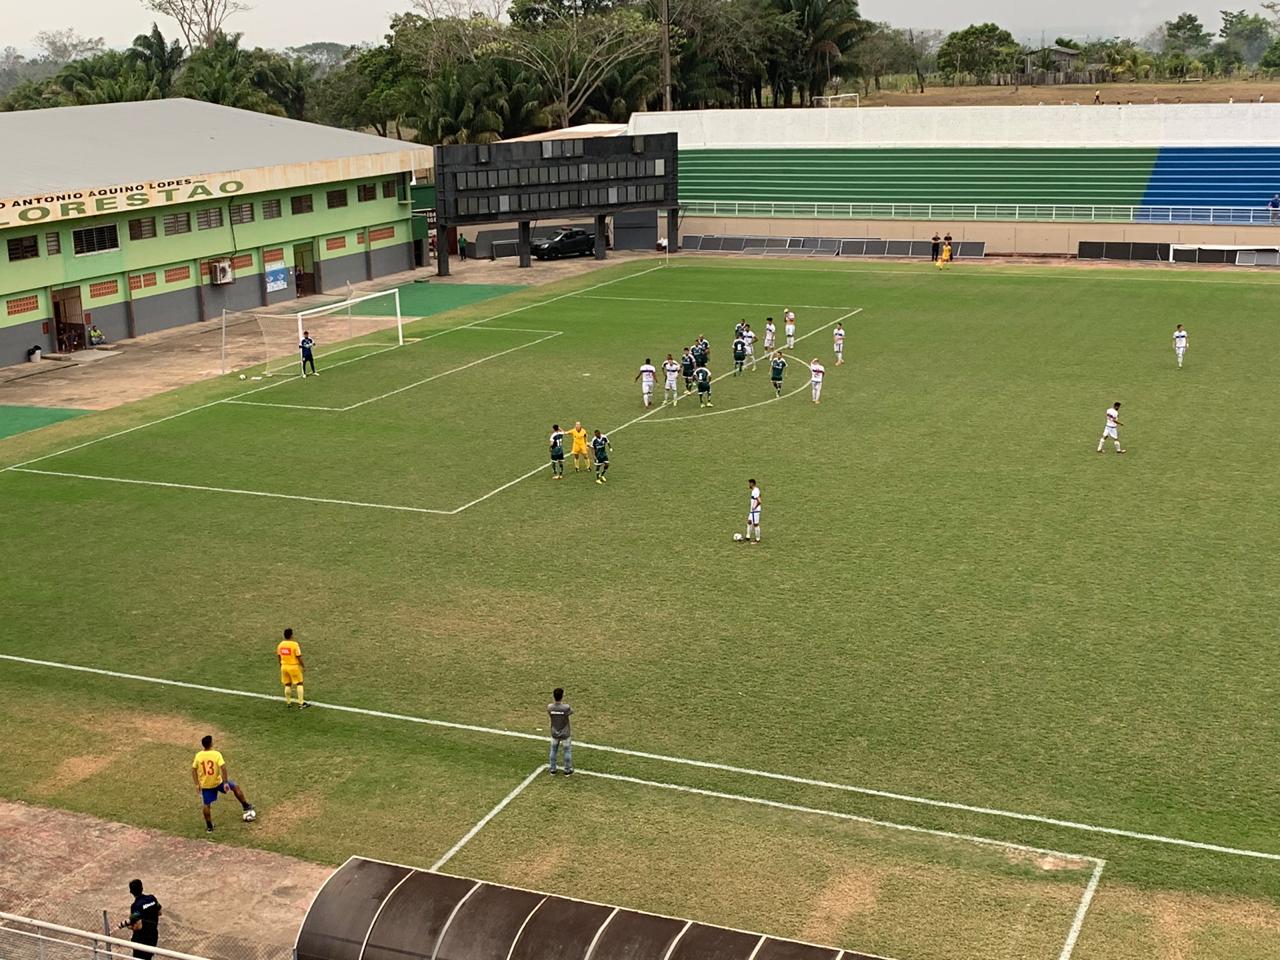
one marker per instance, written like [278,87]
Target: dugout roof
[371,910]
[81,148]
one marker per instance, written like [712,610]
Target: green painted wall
[36,276]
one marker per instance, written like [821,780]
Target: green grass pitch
[956,599]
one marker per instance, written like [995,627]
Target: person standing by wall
[561,736]
[144,920]
[935,247]
[462,245]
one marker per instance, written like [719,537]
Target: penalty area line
[484,821]
[687,762]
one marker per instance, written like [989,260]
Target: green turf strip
[15,420]
[428,299]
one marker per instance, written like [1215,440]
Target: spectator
[1097,96]
[1274,207]
[935,247]
[96,336]
[144,920]
[462,245]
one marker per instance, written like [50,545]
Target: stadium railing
[1073,213]
[22,938]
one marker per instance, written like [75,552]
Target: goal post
[253,337]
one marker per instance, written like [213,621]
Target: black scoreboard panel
[538,179]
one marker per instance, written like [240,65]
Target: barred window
[209,219]
[53,244]
[336,198]
[270,209]
[95,239]
[241,213]
[366,192]
[303,203]
[175,223]
[24,248]
[142,229]
[388,189]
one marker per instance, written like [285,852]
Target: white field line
[714,303]
[245,493]
[1082,911]
[281,406]
[502,805]
[680,761]
[465,366]
[632,422]
[999,271]
[282,380]
[838,815]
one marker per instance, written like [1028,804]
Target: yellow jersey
[288,651]
[208,765]
[579,438]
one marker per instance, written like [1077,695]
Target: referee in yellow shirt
[289,653]
[579,434]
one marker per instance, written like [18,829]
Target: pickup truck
[567,241]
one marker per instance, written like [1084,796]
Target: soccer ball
[737,537]
[242,376]
[250,816]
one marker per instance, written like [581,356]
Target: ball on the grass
[242,376]
[250,816]
[737,536]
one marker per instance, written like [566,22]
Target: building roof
[81,148]
[581,132]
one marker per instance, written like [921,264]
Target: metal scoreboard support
[528,180]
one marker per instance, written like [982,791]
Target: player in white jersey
[789,327]
[1179,344]
[749,336]
[837,341]
[770,332]
[753,513]
[647,375]
[816,372]
[1112,428]
[670,367]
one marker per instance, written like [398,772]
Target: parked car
[565,242]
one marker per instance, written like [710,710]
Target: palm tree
[224,73]
[158,58]
[830,29]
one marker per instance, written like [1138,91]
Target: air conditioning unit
[220,273]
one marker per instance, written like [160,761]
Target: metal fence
[1041,213]
[22,938]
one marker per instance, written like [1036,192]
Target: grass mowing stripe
[681,761]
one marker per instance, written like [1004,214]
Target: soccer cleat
[1121,451]
[315,373]
[599,479]
[208,828]
[568,773]
[553,771]
[303,705]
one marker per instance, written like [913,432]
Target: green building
[135,217]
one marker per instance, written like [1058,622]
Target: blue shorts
[210,794]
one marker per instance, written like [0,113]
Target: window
[336,198]
[270,209]
[209,219]
[143,229]
[241,213]
[24,248]
[95,239]
[303,203]
[388,189]
[52,244]
[175,223]
[366,192]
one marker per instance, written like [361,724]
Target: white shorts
[1111,432]
[817,388]
[646,388]
[839,349]
[753,518]
[671,384]
[791,332]
[1179,350]
[768,342]
[751,350]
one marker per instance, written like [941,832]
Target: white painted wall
[1143,125]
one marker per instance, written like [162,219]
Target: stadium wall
[1002,239]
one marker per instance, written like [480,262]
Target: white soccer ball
[242,376]
[737,537]
[250,816]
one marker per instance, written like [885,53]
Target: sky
[286,23]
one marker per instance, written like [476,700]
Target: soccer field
[980,692]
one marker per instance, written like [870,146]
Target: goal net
[254,338]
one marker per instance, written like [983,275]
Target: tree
[572,54]
[881,50]
[323,56]
[63,46]
[1067,43]
[1271,59]
[200,21]
[1186,34]
[158,58]
[1248,34]
[225,73]
[980,49]
[830,29]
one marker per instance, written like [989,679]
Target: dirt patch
[74,770]
[1179,920]
[1048,862]
[290,813]
[219,901]
[537,872]
[843,898]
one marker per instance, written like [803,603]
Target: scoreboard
[527,180]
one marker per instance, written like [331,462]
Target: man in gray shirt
[559,711]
